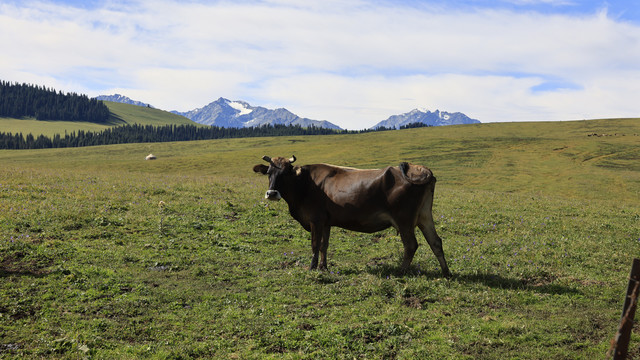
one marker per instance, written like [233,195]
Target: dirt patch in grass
[16,264]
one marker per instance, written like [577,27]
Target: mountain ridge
[122,99]
[237,113]
[423,116]
[226,113]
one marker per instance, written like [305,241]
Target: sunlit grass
[92,264]
[120,114]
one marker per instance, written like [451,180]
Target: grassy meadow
[133,114]
[47,128]
[106,256]
[120,114]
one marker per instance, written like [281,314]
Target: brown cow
[321,196]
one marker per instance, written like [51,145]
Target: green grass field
[120,114]
[104,255]
[133,114]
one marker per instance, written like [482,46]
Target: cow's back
[365,200]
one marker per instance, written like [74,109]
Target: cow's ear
[260,168]
[298,170]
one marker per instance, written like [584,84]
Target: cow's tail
[417,174]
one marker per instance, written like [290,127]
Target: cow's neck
[296,196]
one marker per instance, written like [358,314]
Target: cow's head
[281,174]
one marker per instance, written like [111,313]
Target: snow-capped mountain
[436,118]
[121,99]
[227,113]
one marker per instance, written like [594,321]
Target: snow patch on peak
[240,107]
[417,111]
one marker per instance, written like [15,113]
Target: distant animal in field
[321,196]
[150,157]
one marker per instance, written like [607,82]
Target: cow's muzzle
[273,195]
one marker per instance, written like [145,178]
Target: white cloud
[543,2]
[353,63]
[183,89]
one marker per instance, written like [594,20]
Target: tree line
[136,133]
[41,103]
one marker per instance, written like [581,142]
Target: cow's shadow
[497,281]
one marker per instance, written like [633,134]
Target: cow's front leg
[410,246]
[316,241]
[326,232]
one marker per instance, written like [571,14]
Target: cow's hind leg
[428,229]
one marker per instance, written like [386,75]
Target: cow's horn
[292,160]
[266,158]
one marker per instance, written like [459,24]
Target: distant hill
[436,118]
[119,114]
[227,113]
[135,114]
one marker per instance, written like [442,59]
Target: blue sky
[352,62]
